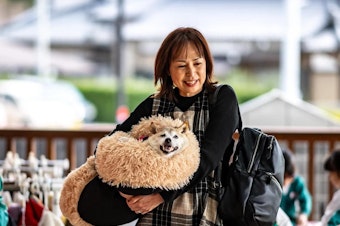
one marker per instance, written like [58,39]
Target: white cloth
[282,219]
[332,207]
[48,218]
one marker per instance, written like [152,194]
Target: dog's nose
[167,140]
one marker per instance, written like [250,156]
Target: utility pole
[43,38]
[291,49]
[122,111]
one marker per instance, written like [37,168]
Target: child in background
[332,213]
[295,192]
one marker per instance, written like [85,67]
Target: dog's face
[169,141]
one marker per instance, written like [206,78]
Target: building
[247,34]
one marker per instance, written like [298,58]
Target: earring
[173,85]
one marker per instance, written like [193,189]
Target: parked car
[10,115]
[48,103]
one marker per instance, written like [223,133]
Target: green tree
[28,3]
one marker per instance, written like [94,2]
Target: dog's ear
[153,128]
[184,127]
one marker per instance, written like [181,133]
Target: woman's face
[334,179]
[188,71]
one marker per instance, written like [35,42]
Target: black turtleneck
[184,103]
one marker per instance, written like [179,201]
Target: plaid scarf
[198,206]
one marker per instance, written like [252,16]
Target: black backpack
[252,183]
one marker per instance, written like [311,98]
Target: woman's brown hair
[171,47]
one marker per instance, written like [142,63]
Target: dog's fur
[123,159]
[143,164]
[74,184]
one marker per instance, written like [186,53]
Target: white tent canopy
[275,108]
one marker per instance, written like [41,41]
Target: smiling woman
[183,74]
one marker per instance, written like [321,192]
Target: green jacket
[3,208]
[297,191]
[335,220]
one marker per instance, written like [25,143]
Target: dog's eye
[175,136]
[163,135]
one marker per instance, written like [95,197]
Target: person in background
[183,72]
[332,212]
[3,208]
[282,219]
[296,200]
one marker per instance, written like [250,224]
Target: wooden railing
[310,145]
[23,141]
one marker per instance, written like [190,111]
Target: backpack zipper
[251,163]
[273,178]
[270,147]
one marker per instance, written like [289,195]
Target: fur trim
[73,186]
[122,159]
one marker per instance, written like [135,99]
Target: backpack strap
[221,172]
[213,99]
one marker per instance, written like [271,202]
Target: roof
[24,58]
[276,108]
[261,20]
[149,20]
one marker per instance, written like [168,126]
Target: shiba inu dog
[169,140]
[159,153]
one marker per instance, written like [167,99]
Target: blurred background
[67,66]
[64,63]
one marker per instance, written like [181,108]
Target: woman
[332,213]
[184,73]
[296,200]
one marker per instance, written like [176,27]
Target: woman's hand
[302,220]
[142,204]
[126,196]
